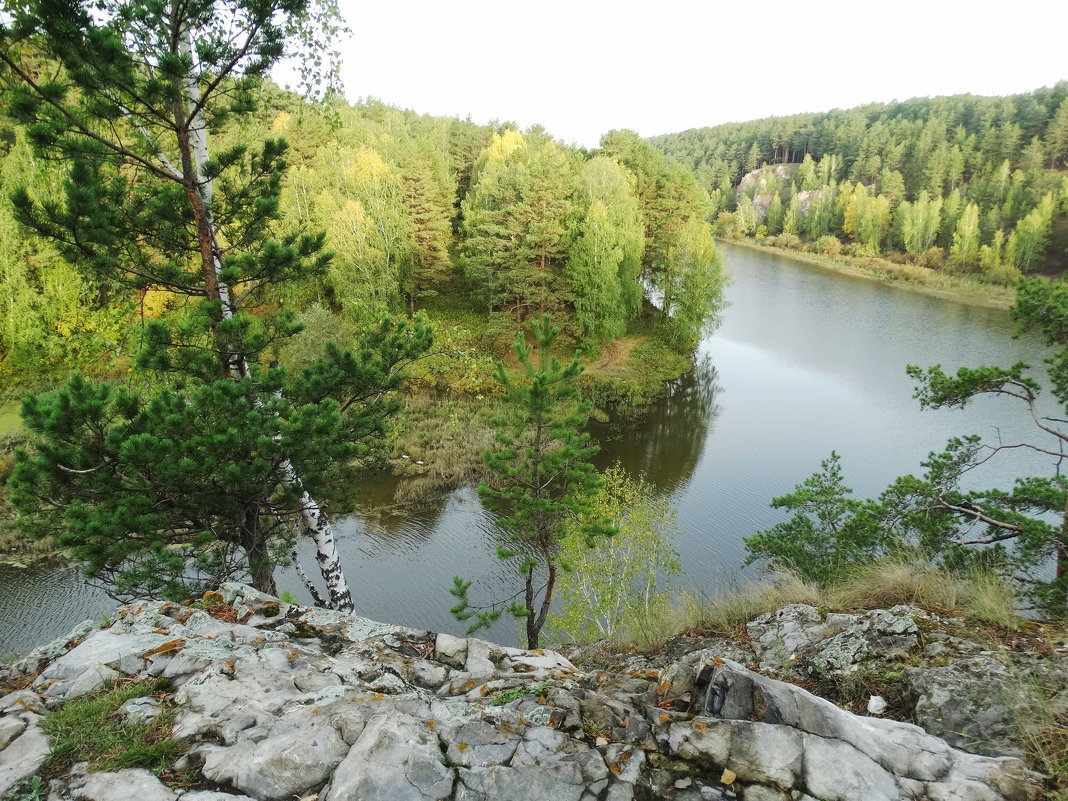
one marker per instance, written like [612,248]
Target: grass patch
[88,729]
[448,437]
[31,789]
[626,385]
[1043,728]
[727,614]
[516,693]
[896,580]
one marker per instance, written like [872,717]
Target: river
[806,360]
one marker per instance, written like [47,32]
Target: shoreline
[921,279]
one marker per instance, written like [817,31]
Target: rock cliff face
[297,703]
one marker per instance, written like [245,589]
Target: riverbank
[911,277]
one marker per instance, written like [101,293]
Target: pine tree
[173,488]
[545,481]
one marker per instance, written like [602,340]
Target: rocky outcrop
[290,702]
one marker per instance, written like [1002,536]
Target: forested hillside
[976,184]
[419,212]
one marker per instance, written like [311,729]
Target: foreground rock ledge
[292,702]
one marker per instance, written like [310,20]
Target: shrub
[932,259]
[828,245]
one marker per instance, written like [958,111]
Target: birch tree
[124,92]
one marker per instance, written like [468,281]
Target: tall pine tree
[176,488]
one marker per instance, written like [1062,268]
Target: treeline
[974,183]
[508,224]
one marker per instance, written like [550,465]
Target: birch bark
[195,155]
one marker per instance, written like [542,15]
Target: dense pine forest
[971,184]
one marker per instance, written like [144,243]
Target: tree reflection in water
[665,443]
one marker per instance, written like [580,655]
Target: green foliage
[605,259]
[175,491]
[544,479]
[691,284]
[31,789]
[829,531]
[514,219]
[619,589]
[920,162]
[508,696]
[86,729]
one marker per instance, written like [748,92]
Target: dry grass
[907,579]
[1043,730]
[896,580]
[727,614]
[988,599]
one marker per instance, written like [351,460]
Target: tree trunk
[260,566]
[536,623]
[195,150]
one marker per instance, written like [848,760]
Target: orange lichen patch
[468,685]
[664,718]
[430,724]
[663,686]
[616,769]
[625,757]
[166,648]
[461,747]
[717,661]
[699,726]
[224,612]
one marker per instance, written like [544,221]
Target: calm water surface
[806,360]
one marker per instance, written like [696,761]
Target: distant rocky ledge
[288,702]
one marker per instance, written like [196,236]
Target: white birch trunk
[314,520]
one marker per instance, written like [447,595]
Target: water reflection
[666,443]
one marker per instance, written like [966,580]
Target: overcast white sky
[583,67]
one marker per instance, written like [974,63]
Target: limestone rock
[125,785]
[23,756]
[878,633]
[295,703]
[969,702]
[396,758]
[780,635]
[293,758]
